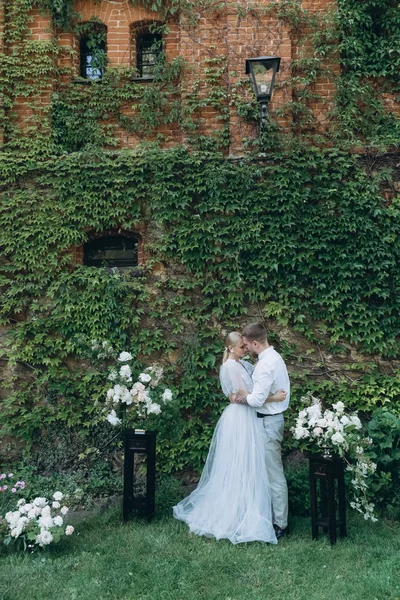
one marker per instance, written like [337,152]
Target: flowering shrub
[134,401]
[36,523]
[340,433]
[10,489]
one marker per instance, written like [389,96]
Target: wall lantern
[262,71]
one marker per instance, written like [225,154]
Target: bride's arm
[278,396]
[231,379]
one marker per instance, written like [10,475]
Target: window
[93,55]
[111,251]
[148,51]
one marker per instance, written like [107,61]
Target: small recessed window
[111,251]
[93,55]
[148,51]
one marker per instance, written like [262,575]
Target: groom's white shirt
[270,375]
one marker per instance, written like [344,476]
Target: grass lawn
[161,561]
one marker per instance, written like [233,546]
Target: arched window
[146,48]
[93,51]
[111,251]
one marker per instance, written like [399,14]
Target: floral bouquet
[36,523]
[337,432]
[134,400]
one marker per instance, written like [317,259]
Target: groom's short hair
[255,332]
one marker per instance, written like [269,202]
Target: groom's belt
[262,415]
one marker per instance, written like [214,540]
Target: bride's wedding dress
[232,500]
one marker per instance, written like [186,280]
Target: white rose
[167,395]
[317,431]
[337,438]
[21,501]
[356,421]
[154,409]
[322,423]
[46,511]
[338,407]
[46,522]
[125,373]
[44,538]
[58,521]
[58,496]
[40,502]
[124,357]
[112,418]
[144,377]
[302,414]
[64,510]
[56,504]
[301,433]
[69,530]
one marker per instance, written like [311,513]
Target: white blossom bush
[38,523]
[133,399]
[337,432]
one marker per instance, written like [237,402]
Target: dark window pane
[148,51]
[111,251]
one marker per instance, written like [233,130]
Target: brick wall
[231,34]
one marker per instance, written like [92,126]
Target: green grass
[161,561]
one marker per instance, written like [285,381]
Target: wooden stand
[327,470]
[139,442]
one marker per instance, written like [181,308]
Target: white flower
[21,501]
[322,422]
[302,414]
[356,421]
[69,530]
[167,395]
[124,357]
[40,502]
[45,522]
[144,377]
[58,496]
[359,450]
[154,409]
[56,504]
[345,420]
[125,373]
[113,419]
[337,438]
[46,511]
[112,375]
[301,433]
[64,510]
[58,521]
[317,431]
[338,407]
[44,538]
[136,388]
[34,512]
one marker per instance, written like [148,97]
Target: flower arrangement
[340,433]
[134,400]
[37,523]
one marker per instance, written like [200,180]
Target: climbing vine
[300,236]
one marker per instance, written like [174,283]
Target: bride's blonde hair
[233,339]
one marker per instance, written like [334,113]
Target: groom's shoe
[280,532]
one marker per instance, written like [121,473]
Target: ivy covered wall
[301,230]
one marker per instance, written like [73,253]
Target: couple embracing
[242,493]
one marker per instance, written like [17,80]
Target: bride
[232,499]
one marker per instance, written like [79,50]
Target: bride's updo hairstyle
[233,339]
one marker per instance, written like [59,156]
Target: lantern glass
[263,78]
[262,71]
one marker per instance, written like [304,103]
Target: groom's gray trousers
[273,429]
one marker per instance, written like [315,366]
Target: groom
[270,374]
